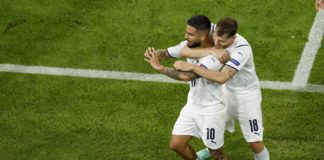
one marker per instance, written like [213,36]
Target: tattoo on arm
[180,75]
[191,75]
[162,54]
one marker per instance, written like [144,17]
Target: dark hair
[227,25]
[200,22]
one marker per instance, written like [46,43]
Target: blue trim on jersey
[169,54]
[201,65]
[235,62]
[242,45]
[231,67]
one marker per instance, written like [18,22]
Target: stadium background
[57,117]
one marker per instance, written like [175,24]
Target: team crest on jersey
[235,62]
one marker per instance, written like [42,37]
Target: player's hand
[221,54]
[151,58]
[319,4]
[183,66]
[146,53]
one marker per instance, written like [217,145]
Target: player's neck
[206,44]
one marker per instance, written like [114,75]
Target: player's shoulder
[210,62]
[180,45]
[208,57]
[183,43]
[240,41]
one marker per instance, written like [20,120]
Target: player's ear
[204,36]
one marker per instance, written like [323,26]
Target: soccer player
[319,4]
[243,91]
[204,114]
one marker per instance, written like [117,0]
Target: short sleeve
[210,62]
[175,50]
[239,56]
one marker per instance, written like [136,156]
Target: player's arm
[220,77]
[161,54]
[239,57]
[196,53]
[178,75]
[170,72]
[216,76]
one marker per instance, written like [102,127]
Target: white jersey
[245,79]
[243,92]
[242,60]
[202,91]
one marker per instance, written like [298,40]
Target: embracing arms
[196,53]
[216,76]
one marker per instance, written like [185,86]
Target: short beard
[194,45]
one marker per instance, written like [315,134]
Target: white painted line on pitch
[84,73]
[276,85]
[136,76]
[309,53]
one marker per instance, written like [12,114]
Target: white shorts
[246,109]
[207,123]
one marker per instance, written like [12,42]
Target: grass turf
[45,117]
[113,35]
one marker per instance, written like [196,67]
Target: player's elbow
[185,78]
[223,81]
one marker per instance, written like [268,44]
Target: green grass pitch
[50,117]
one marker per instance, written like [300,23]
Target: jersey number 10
[210,133]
